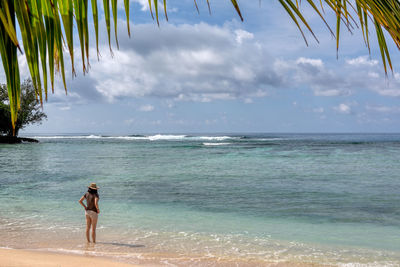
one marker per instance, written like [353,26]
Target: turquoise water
[249,199]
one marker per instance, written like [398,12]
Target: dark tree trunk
[7,139]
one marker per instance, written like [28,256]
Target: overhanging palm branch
[46,28]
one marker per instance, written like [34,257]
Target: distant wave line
[161,137]
[139,137]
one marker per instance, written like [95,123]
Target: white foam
[216,144]
[214,138]
[94,136]
[80,252]
[165,137]
[149,137]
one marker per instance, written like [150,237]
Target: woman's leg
[94,224]
[88,225]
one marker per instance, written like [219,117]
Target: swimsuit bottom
[92,214]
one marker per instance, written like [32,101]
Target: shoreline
[152,248]
[21,258]
[10,257]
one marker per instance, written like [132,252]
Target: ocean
[208,199]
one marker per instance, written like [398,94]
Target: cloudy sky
[202,73]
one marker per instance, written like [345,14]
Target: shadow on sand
[121,244]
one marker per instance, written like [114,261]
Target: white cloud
[187,63]
[343,108]
[146,108]
[330,92]
[143,3]
[310,61]
[242,35]
[204,63]
[359,73]
[362,61]
[203,56]
[243,73]
[313,73]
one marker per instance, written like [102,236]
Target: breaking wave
[156,137]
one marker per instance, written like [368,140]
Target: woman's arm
[96,203]
[81,202]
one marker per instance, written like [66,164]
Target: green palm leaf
[8,50]
[114,11]
[67,13]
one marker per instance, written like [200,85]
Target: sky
[213,73]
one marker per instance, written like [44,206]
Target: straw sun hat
[93,186]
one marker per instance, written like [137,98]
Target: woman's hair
[93,191]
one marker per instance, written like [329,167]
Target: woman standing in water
[91,210]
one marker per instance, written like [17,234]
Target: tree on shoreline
[47,27]
[29,113]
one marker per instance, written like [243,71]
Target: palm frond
[8,50]
[45,36]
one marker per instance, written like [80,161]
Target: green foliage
[47,27]
[29,113]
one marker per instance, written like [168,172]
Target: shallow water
[207,199]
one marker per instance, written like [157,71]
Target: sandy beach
[22,258]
